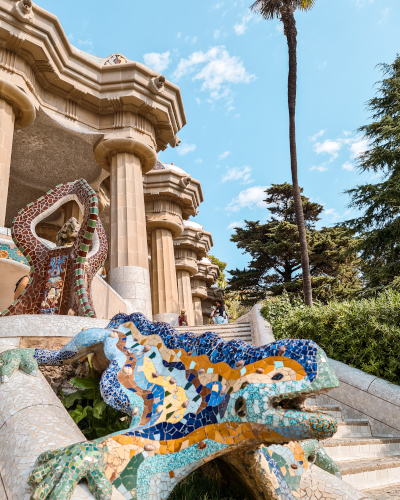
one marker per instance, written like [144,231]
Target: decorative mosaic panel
[191,398]
[11,252]
[115,59]
[79,270]
[158,166]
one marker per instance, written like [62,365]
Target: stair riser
[373,479]
[342,453]
[353,431]
[334,414]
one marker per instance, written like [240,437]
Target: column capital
[186,264]
[164,221]
[23,107]
[109,146]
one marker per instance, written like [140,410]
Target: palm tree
[284,10]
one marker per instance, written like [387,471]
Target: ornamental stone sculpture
[191,398]
[61,276]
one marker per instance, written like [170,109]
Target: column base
[171,318]
[133,284]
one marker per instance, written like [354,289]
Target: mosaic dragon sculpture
[191,398]
[60,277]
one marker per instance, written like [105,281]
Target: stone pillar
[71,209]
[199,293]
[164,293]
[164,222]
[197,311]
[186,266]
[126,158]
[16,111]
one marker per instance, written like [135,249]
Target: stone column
[71,209]
[164,222]
[164,293]
[199,293]
[126,158]
[186,266]
[16,111]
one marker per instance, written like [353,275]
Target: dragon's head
[231,390]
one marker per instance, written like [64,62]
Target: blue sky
[231,67]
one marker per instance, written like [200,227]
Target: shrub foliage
[363,333]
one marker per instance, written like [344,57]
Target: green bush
[362,333]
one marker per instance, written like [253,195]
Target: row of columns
[178,280]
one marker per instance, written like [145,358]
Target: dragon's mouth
[322,424]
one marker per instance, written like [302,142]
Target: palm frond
[271,9]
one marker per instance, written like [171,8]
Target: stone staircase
[229,331]
[370,464]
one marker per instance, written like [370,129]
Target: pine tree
[276,256]
[379,225]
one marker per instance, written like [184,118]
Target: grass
[197,486]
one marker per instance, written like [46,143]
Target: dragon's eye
[278,376]
[240,407]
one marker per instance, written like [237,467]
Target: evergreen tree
[276,256]
[379,226]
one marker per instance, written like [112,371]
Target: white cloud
[199,160]
[236,174]
[241,27]
[384,15]
[249,198]
[217,33]
[184,148]
[218,5]
[332,213]
[279,28]
[157,62]
[358,147]
[329,147]
[237,116]
[320,168]
[322,65]
[362,3]
[348,166]
[346,133]
[70,37]
[216,68]
[318,134]
[87,43]
[179,35]
[198,100]
[235,224]
[224,155]
[191,39]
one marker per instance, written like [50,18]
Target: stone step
[217,328]
[371,473]
[353,429]
[389,492]
[240,331]
[342,449]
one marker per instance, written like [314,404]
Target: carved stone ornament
[174,142]
[23,10]
[199,235]
[115,59]
[185,181]
[157,84]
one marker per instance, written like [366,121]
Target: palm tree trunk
[289,23]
